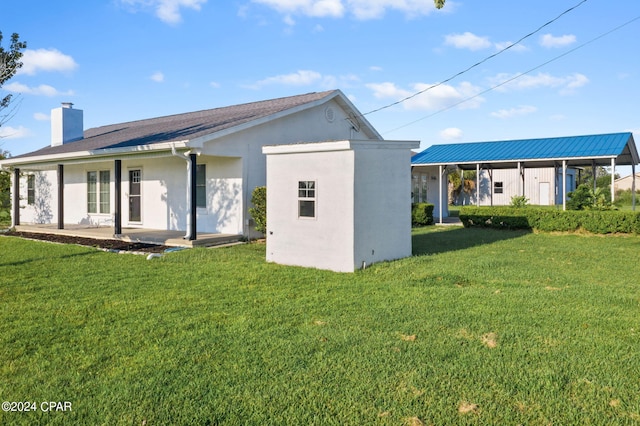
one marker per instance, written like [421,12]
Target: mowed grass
[478,327]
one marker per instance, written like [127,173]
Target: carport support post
[564,185]
[633,187]
[117,217]
[60,196]
[440,191]
[613,179]
[192,187]
[16,197]
[478,184]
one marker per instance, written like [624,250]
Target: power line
[478,63]
[519,75]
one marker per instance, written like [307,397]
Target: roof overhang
[44,162]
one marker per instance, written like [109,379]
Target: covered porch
[134,235]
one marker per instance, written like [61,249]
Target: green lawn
[479,327]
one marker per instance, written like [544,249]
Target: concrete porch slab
[138,235]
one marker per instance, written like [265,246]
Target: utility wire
[519,75]
[478,63]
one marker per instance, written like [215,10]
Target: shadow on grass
[48,259]
[445,240]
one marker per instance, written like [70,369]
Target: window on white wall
[306,198]
[99,191]
[31,189]
[201,185]
[498,187]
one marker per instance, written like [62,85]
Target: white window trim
[314,199]
[98,198]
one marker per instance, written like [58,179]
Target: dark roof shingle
[177,127]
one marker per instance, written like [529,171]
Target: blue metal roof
[576,149]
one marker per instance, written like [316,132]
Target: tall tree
[9,64]
[439,3]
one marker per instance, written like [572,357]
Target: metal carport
[572,151]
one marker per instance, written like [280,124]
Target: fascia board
[99,153]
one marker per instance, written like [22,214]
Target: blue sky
[123,60]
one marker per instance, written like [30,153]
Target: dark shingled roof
[177,127]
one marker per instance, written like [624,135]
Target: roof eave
[98,153]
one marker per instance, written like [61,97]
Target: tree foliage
[439,4]
[9,65]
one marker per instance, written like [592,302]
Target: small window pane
[306,208]
[497,187]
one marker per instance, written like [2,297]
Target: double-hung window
[201,185]
[498,187]
[306,198]
[99,192]
[31,189]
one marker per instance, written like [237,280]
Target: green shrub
[259,210]
[519,201]
[544,219]
[5,217]
[422,214]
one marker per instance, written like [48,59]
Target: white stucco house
[193,172]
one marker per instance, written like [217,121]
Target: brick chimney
[66,124]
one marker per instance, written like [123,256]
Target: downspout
[187,157]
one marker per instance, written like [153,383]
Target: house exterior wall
[362,199]
[44,210]
[625,183]
[310,125]
[326,241]
[382,205]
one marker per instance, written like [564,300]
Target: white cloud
[41,116]
[514,112]
[157,76]
[168,11]
[306,78]
[314,8]
[34,61]
[375,68]
[436,98]
[467,40]
[360,9]
[516,48]
[41,90]
[451,134]
[566,84]
[8,132]
[548,40]
[299,78]
[214,84]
